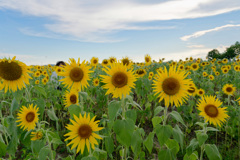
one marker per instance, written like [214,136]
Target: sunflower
[150,77]
[37,82]
[119,80]
[14,74]
[37,74]
[194,66]
[238,100]
[211,77]
[105,62]
[209,107]
[44,81]
[205,74]
[82,132]
[201,92]
[217,73]
[94,61]
[127,62]
[225,60]
[96,82]
[225,71]
[181,67]
[70,98]
[172,86]
[229,89]
[140,72]
[112,59]
[58,70]
[192,89]
[76,74]
[148,60]
[28,117]
[151,74]
[36,135]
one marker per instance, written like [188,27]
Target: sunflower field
[120,109]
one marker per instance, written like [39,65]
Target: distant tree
[213,54]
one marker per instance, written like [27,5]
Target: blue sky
[43,32]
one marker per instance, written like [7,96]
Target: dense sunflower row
[171,83]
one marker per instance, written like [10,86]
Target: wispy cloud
[97,21]
[203,32]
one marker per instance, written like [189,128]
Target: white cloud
[92,20]
[203,32]
[195,46]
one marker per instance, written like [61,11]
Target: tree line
[229,53]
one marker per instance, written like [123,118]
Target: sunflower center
[147,59]
[10,71]
[125,62]
[73,99]
[119,79]
[211,110]
[105,62]
[30,117]
[76,74]
[171,86]
[85,131]
[194,66]
[95,61]
[39,135]
[229,89]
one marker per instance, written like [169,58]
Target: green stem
[165,115]
[123,108]
[49,144]
[202,150]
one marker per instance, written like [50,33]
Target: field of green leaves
[120,109]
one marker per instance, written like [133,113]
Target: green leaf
[113,108]
[3,149]
[163,133]
[52,115]
[178,136]
[212,152]
[74,109]
[148,142]
[212,129]
[173,146]
[156,121]
[193,156]
[41,90]
[37,146]
[89,158]
[177,117]
[136,142]
[124,130]
[14,105]
[43,154]
[158,110]
[192,146]
[56,141]
[201,137]
[41,105]
[165,155]
[132,114]
[109,144]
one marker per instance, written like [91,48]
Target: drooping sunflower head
[229,89]
[70,97]
[172,86]
[148,60]
[36,135]
[94,61]
[14,74]
[96,82]
[28,117]
[82,132]
[76,74]
[209,107]
[119,80]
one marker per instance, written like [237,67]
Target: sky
[40,32]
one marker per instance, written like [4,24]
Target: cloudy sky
[46,31]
